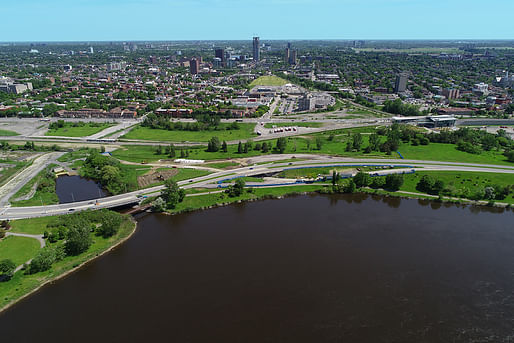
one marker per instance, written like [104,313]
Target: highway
[210,181]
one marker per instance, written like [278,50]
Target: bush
[7,268]
[393,182]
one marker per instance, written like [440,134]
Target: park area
[76,129]
[244,131]
[268,81]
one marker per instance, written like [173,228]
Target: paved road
[21,178]
[273,167]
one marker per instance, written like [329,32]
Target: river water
[347,268]
[75,188]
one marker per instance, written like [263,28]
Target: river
[345,268]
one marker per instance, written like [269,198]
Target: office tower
[194,66]
[401,83]
[256,49]
[293,57]
[91,51]
[220,53]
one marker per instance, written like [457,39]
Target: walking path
[40,239]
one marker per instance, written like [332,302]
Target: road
[21,178]
[209,181]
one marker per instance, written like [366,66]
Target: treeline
[435,186]
[204,122]
[29,146]
[306,83]
[398,107]
[109,172]
[71,235]
[61,123]
[391,182]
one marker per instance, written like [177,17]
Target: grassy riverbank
[22,284]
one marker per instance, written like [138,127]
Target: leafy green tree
[172,152]
[319,143]
[172,194]
[237,189]
[42,261]
[110,225]
[7,268]
[350,187]
[361,179]
[240,148]
[78,240]
[393,182]
[356,141]
[265,147]
[213,145]
[224,146]
[159,205]
[281,144]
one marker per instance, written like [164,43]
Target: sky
[120,20]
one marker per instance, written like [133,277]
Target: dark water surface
[75,188]
[305,269]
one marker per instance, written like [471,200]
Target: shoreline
[72,270]
[463,202]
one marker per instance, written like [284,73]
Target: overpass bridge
[211,181]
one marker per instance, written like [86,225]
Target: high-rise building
[256,49]
[293,57]
[91,50]
[287,54]
[220,53]
[401,83]
[194,66]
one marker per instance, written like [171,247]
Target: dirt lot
[155,176]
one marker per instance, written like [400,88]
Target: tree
[361,179]
[240,148]
[158,150]
[42,261]
[236,189]
[319,143]
[213,145]
[224,146]
[265,147]
[171,151]
[78,240]
[393,182]
[7,268]
[281,144]
[172,194]
[159,205]
[350,187]
[356,141]
[110,225]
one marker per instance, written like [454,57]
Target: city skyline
[115,20]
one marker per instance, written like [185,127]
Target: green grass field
[333,143]
[46,196]
[34,226]
[461,180]
[244,132]
[268,81]
[8,133]
[449,153]
[78,131]
[18,249]
[198,202]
